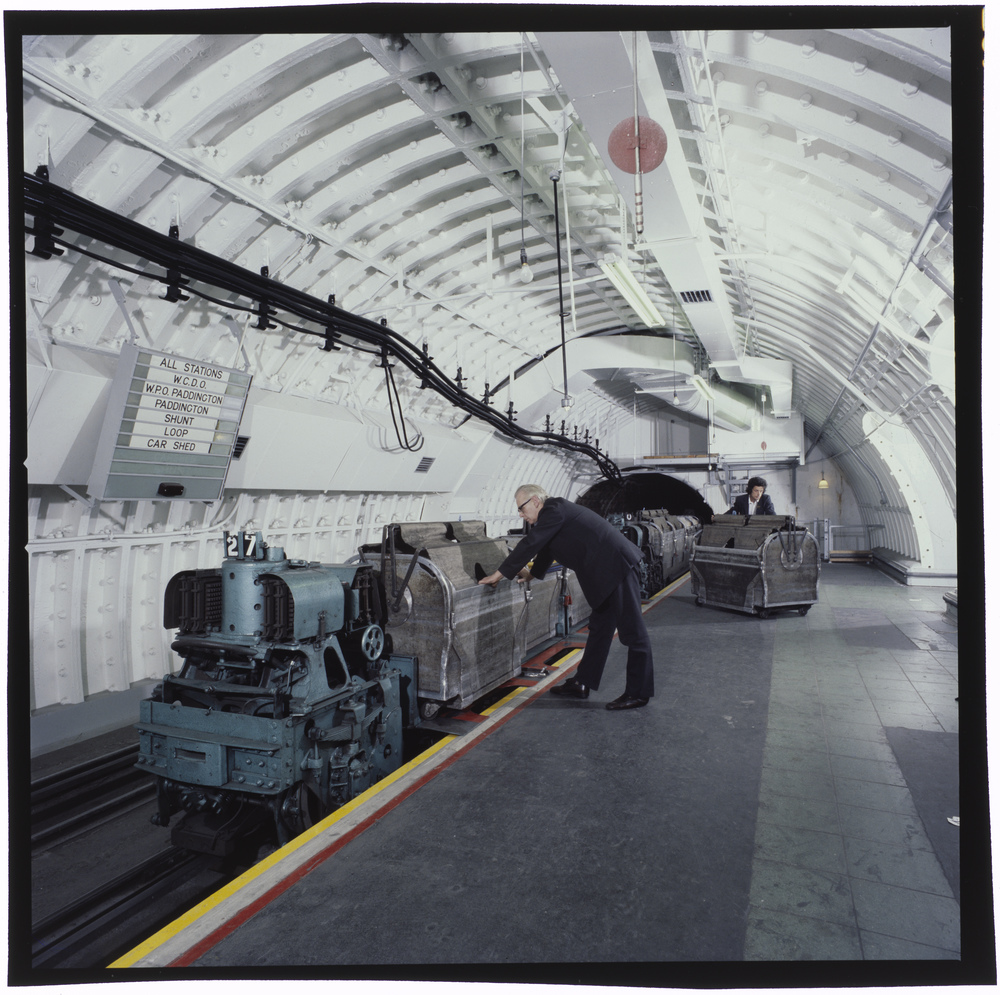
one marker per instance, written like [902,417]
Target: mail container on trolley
[756,564]
[467,639]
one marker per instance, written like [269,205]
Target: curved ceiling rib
[809,173]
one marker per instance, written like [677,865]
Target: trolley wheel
[804,608]
[298,810]
[699,601]
[764,612]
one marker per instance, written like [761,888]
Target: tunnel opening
[645,490]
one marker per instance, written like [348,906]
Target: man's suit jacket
[577,538]
[741,506]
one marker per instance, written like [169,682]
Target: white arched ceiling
[807,186]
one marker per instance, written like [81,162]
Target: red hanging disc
[652,145]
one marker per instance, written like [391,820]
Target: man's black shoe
[571,689]
[626,701]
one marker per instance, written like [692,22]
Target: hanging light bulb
[823,485]
[526,275]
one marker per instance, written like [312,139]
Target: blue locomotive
[300,680]
[287,704]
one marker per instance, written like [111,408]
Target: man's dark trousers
[621,610]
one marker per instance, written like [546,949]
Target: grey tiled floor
[843,867]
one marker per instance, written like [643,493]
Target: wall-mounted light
[627,285]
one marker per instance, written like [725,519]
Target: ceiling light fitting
[526,275]
[626,284]
[701,385]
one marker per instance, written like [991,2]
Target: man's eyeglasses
[520,506]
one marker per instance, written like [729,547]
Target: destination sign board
[170,428]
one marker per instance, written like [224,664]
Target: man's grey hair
[528,491]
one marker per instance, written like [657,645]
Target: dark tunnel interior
[649,490]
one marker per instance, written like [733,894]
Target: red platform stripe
[245,914]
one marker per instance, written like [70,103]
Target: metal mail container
[756,564]
[467,639]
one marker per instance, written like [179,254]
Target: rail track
[96,927]
[89,930]
[71,801]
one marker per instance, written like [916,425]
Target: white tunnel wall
[294,442]
[923,497]
[911,531]
[97,576]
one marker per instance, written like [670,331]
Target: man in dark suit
[607,567]
[755,501]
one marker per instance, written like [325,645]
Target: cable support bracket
[331,334]
[42,228]
[424,382]
[262,307]
[174,277]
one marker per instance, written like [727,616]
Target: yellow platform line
[299,845]
[170,943]
[667,591]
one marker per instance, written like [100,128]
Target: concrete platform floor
[782,803]
[844,866]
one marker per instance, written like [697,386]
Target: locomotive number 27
[243,545]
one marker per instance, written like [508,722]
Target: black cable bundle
[182,264]
[394,403]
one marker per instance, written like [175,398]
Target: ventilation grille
[696,296]
[241,444]
[425,464]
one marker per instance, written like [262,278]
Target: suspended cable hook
[174,277]
[262,308]
[331,333]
